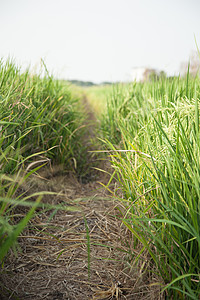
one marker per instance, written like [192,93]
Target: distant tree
[82,83]
[162,74]
[151,75]
[156,75]
[106,83]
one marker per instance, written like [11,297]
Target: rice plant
[40,122]
[42,111]
[155,153]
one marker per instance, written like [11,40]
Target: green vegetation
[98,96]
[40,122]
[82,83]
[152,134]
[39,113]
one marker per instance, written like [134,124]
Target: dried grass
[53,261]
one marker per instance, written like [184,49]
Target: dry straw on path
[53,262]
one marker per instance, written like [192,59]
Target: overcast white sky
[99,40]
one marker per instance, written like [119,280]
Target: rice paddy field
[145,139]
[151,132]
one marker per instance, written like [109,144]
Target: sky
[99,40]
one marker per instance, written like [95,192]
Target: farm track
[75,254]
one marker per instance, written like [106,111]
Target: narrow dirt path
[74,254]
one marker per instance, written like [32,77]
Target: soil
[76,254]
